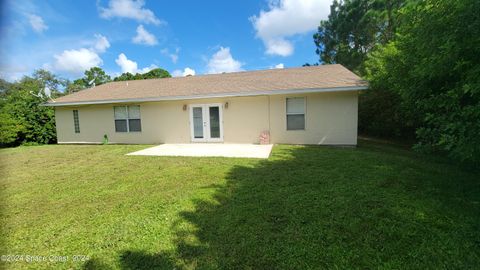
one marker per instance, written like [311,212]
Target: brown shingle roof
[269,81]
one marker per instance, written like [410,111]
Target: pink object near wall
[265,137]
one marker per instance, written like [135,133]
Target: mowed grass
[374,206]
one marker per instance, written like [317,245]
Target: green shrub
[433,67]
[9,129]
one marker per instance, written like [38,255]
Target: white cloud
[101,43]
[147,69]
[173,56]
[187,71]
[37,23]
[127,65]
[13,71]
[287,18]
[77,61]
[279,46]
[130,9]
[222,61]
[144,37]
[279,66]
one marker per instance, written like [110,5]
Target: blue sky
[183,37]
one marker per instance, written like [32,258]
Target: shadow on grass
[318,207]
[138,260]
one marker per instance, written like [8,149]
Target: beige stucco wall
[331,118]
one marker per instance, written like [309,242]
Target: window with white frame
[296,113]
[127,118]
[76,122]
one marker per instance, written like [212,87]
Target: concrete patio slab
[207,150]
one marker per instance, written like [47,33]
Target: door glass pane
[214,122]
[197,123]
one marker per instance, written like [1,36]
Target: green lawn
[374,206]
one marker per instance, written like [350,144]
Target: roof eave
[215,95]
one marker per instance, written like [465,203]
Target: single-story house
[307,105]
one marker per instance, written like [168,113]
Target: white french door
[206,122]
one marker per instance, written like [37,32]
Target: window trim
[76,122]
[304,113]
[127,118]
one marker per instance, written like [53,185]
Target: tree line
[421,59]
[97,76]
[24,119]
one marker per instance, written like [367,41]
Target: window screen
[134,112]
[127,118]
[120,112]
[76,122]
[296,113]
[134,125]
[121,126]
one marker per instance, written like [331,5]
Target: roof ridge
[235,72]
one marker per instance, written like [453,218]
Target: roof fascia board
[215,95]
